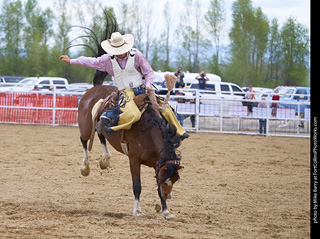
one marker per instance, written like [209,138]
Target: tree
[167,13]
[147,24]
[123,16]
[215,20]
[61,41]
[137,27]
[274,55]
[37,31]
[249,38]
[190,34]
[295,51]
[11,24]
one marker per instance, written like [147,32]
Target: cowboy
[132,74]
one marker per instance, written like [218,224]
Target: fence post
[298,122]
[197,110]
[268,115]
[54,106]
[221,115]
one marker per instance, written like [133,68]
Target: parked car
[219,90]
[9,81]
[224,94]
[292,94]
[43,83]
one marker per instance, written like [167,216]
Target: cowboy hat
[118,44]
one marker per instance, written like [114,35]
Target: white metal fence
[197,111]
[204,111]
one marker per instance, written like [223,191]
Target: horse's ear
[179,167]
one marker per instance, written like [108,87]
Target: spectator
[202,78]
[274,106]
[180,75]
[263,121]
[180,117]
[250,96]
[35,88]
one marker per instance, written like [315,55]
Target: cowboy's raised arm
[102,63]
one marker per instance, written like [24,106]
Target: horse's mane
[171,139]
[111,26]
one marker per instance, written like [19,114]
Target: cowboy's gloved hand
[65,58]
[148,90]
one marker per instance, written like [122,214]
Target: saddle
[98,109]
[109,102]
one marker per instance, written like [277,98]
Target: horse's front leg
[85,169]
[135,168]
[105,162]
[165,212]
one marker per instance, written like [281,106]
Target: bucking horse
[151,141]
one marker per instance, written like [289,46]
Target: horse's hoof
[85,171]
[104,164]
[168,216]
[138,213]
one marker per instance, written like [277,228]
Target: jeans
[262,124]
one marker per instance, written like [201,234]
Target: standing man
[275,97]
[133,76]
[250,96]
[202,78]
[180,75]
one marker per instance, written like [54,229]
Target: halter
[160,165]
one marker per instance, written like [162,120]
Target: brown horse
[149,142]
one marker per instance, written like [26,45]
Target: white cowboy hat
[118,44]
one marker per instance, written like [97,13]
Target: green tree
[259,45]
[295,50]
[249,38]
[167,13]
[37,31]
[274,56]
[193,49]
[11,24]
[215,20]
[61,39]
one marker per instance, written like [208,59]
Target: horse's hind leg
[85,169]
[105,162]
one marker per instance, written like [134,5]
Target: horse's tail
[94,113]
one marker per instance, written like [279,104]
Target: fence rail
[196,111]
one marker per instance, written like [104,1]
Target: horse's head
[166,176]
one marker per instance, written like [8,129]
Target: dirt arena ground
[232,187]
